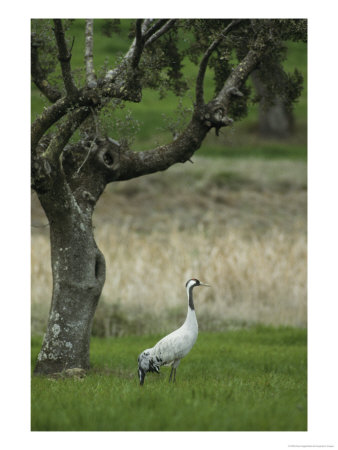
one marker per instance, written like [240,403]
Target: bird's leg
[174,375]
[171,372]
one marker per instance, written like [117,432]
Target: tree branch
[95,98]
[239,75]
[215,113]
[156,26]
[166,27]
[113,73]
[204,63]
[90,73]
[65,132]
[144,37]
[138,44]
[64,58]
[85,97]
[128,164]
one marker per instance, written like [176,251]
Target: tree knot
[108,157]
[215,116]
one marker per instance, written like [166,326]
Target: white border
[323,224]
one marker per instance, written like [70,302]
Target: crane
[173,347]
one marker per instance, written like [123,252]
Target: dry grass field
[237,224]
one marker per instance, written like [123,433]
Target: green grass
[264,150]
[249,379]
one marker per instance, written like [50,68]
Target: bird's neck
[190,299]
[191,320]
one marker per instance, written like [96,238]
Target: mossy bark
[78,269]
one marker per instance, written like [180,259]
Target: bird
[173,347]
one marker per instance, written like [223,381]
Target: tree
[275,118]
[74,158]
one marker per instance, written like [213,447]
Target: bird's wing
[174,346]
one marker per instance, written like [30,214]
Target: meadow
[243,380]
[235,219]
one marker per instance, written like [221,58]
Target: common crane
[173,347]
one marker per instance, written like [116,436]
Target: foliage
[242,380]
[151,123]
[111,26]
[43,39]
[164,64]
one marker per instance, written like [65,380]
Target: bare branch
[65,132]
[95,98]
[111,74]
[90,73]
[204,63]
[156,26]
[64,57]
[50,115]
[138,44]
[166,27]
[45,120]
[144,37]
[39,76]
[215,113]
[135,164]
[239,75]
[145,25]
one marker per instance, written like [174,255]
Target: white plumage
[173,347]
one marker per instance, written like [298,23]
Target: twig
[92,143]
[205,60]
[90,73]
[66,130]
[64,57]
[160,32]
[157,25]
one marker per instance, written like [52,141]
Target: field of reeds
[238,224]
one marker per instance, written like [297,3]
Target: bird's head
[194,282]
[147,363]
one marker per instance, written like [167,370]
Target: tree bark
[78,269]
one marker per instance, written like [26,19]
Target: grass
[243,380]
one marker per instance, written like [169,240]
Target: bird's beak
[142,375]
[203,284]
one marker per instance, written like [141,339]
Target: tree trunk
[78,269]
[274,119]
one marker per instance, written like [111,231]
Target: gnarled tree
[73,160]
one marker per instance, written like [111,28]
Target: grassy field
[253,379]
[237,224]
